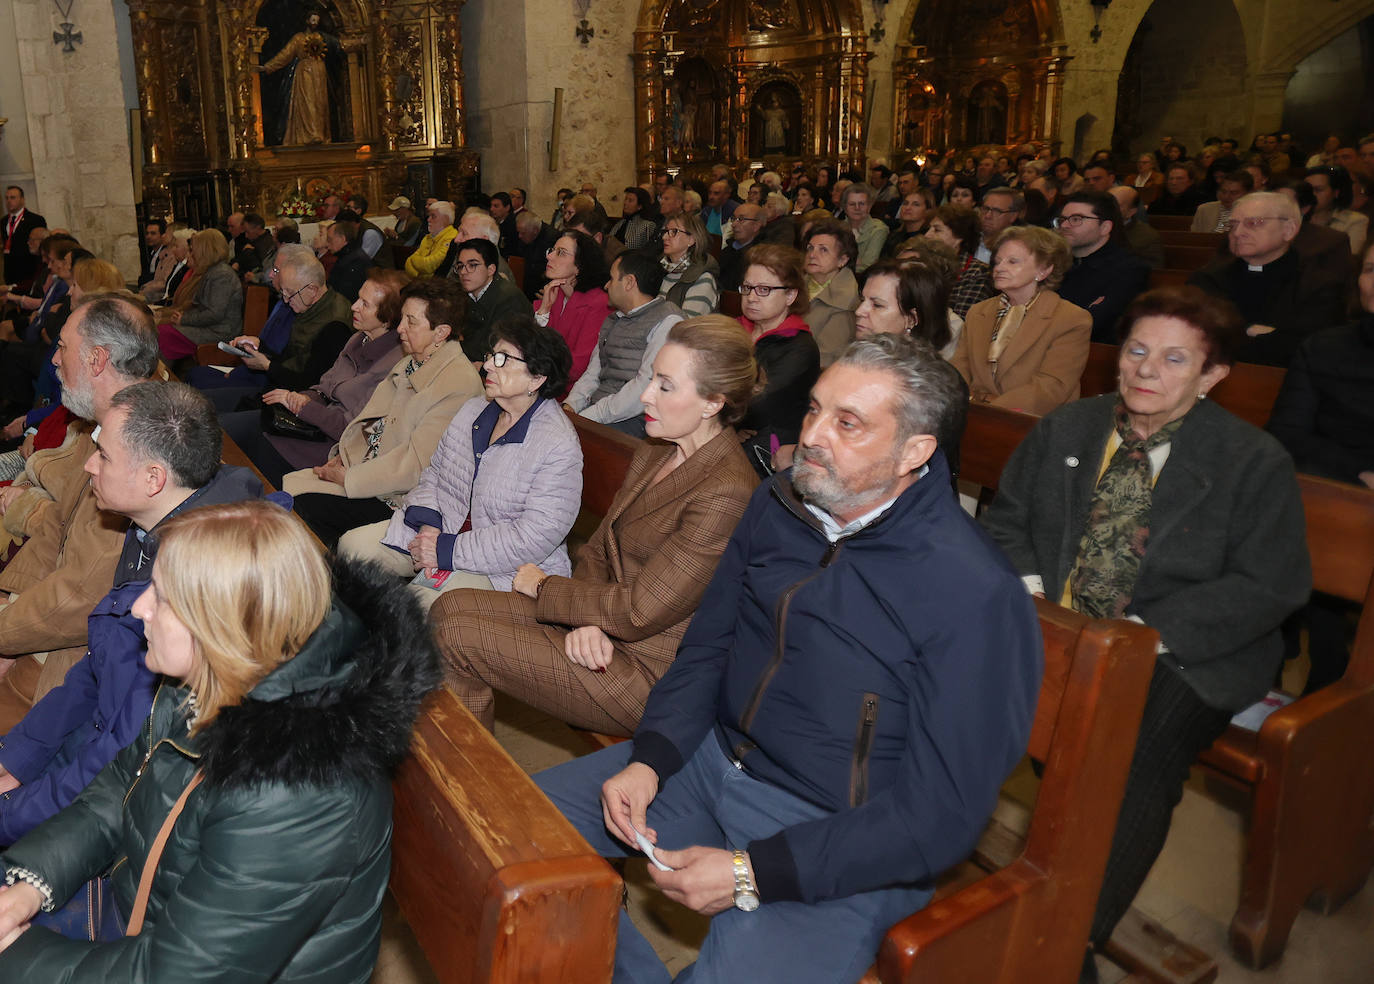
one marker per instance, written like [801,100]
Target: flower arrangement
[298,207]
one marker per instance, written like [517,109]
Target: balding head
[747,222]
[1128,198]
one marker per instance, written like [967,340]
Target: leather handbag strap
[145,881]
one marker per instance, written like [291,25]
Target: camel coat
[1040,368]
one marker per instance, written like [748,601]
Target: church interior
[133,127]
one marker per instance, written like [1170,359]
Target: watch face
[746,901]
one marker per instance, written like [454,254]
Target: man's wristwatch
[746,895]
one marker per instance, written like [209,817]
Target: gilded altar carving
[736,81]
[271,97]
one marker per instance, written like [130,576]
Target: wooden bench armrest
[209,354]
[1340,714]
[987,909]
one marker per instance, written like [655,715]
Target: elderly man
[434,246]
[490,298]
[1001,208]
[720,207]
[1282,295]
[1105,276]
[351,262]
[745,226]
[832,734]
[1181,195]
[406,231]
[476,224]
[1139,237]
[67,565]
[670,202]
[157,455]
[622,362]
[534,238]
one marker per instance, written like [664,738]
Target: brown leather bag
[145,881]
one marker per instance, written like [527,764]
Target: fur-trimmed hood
[344,707]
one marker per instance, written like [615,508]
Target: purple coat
[523,499]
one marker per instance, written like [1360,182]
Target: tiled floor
[1192,890]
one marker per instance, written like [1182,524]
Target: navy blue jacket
[890,678]
[78,728]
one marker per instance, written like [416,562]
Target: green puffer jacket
[276,868]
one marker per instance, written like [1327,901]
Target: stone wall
[77,128]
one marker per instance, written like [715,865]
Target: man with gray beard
[68,562]
[858,680]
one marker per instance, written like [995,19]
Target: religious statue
[775,126]
[307,81]
[687,135]
[769,15]
[988,110]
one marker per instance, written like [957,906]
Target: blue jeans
[711,803]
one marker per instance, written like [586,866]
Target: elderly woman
[588,648]
[1026,348]
[1157,505]
[957,227]
[180,252]
[296,435]
[505,483]
[691,273]
[382,452]
[869,233]
[830,283]
[574,301]
[287,702]
[208,306]
[1148,180]
[775,303]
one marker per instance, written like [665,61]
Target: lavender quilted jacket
[523,502]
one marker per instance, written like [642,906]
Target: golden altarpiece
[747,81]
[249,104]
[979,73]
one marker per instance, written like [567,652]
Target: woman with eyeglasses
[587,647]
[1025,349]
[574,302]
[775,301]
[1149,180]
[691,274]
[504,485]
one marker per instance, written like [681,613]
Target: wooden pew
[1179,237]
[1169,278]
[496,885]
[1249,391]
[1029,920]
[517,270]
[1308,771]
[606,457]
[1177,223]
[257,302]
[1310,785]
[730,303]
[1187,257]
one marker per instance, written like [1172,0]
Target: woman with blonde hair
[208,306]
[691,278]
[287,702]
[1025,349]
[588,647]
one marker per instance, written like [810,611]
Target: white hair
[445,209]
[486,226]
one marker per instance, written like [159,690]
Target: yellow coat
[430,253]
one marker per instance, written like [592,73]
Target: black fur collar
[354,726]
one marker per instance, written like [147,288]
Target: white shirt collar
[833,530]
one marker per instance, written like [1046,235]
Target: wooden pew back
[1030,920]
[606,457]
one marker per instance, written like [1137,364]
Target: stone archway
[977,73]
[802,61]
[1184,76]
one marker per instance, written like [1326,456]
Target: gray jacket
[522,501]
[608,391]
[216,311]
[1227,557]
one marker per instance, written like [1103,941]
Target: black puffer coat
[276,868]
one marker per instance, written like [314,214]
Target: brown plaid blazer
[641,575]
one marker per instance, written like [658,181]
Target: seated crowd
[826,667]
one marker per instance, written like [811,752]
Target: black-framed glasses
[471,266]
[1073,221]
[499,359]
[295,294]
[762,290]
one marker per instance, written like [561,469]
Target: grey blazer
[1227,556]
[216,312]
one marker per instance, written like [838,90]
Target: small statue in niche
[988,109]
[769,15]
[775,126]
[307,82]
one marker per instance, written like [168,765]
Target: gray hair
[301,261]
[445,209]
[121,323]
[174,425]
[930,397]
[1017,196]
[857,188]
[486,225]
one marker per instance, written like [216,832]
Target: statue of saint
[775,126]
[307,82]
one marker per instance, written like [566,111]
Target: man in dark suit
[490,297]
[154,232]
[350,269]
[533,240]
[1105,276]
[20,264]
[501,210]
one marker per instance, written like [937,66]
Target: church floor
[1192,890]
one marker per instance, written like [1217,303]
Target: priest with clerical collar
[1282,295]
